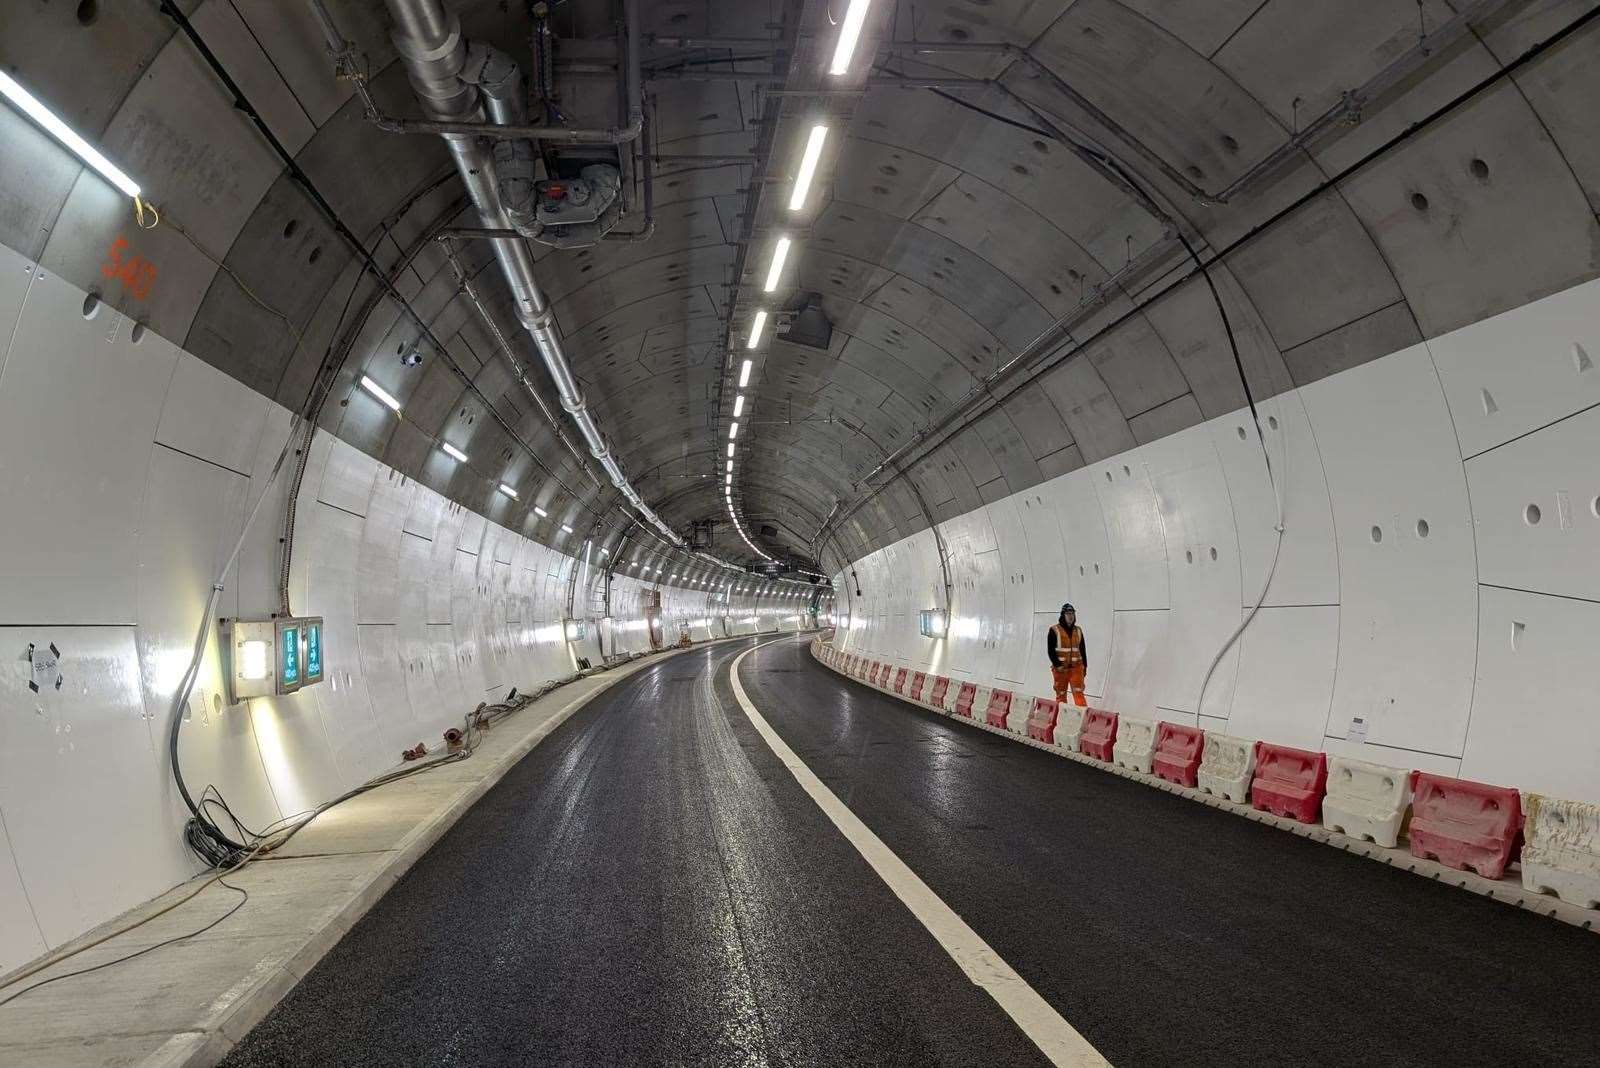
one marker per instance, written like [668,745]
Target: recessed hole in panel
[1188,556]
[1532,514]
[1213,552]
[1377,534]
[91,308]
[1242,435]
[1422,528]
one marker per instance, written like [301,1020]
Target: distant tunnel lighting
[508,491]
[378,391]
[730,480]
[30,106]
[849,34]
[566,528]
[780,252]
[744,374]
[808,164]
[758,325]
[733,430]
[730,466]
[540,512]
[453,452]
[730,450]
[738,406]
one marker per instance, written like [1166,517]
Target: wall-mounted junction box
[272,657]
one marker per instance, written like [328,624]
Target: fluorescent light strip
[744,374]
[756,327]
[808,167]
[780,252]
[738,406]
[733,430]
[378,391]
[540,512]
[508,491]
[32,107]
[453,452]
[730,466]
[855,17]
[730,450]
[566,528]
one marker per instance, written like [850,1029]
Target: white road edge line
[1056,1039]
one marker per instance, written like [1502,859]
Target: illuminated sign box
[272,657]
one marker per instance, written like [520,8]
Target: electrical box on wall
[272,657]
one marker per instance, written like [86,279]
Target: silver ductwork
[458,83]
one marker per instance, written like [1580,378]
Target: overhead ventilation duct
[451,90]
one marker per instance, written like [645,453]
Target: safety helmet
[1068,608]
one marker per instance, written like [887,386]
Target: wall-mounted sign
[272,657]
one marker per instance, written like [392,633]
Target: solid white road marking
[1056,1039]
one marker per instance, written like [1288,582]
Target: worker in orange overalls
[1069,656]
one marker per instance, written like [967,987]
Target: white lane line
[1056,1039]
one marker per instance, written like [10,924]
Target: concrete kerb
[1507,891]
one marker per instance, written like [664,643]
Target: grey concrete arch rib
[435,54]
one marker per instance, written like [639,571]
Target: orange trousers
[1069,679]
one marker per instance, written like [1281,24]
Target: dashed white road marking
[1056,1039]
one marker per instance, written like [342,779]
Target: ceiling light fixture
[32,107]
[508,491]
[730,450]
[733,430]
[738,406]
[855,17]
[744,375]
[808,166]
[780,252]
[540,512]
[566,528]
[730,466]
[758,325]
[378,391]
[453,452]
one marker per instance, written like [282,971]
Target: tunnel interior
[442,352]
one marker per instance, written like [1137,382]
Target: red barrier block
[999,709]
[900,681]
[965,697]
[1289,782]
[1099,735]
[941,687]
[1464,824]
[1042,720]
[873,676]
[1177,755]
[918,680]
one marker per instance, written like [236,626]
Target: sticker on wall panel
[45,667]
[1357,732]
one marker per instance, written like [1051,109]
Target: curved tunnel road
[652,886]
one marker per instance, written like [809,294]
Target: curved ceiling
[994,237]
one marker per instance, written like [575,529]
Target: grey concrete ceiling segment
[950,230]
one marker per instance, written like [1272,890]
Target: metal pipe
[429,43]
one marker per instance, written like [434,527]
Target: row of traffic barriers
[1462,825]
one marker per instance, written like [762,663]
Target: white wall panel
[20,936]
[347,479]
[1137,673]
[1308,564]
[1203,568]
[17,274]
[1046,550]
[90,733]
[1408,593]
[1522,369]
[211,415]
[1536,507]
[378,564]
[1089,576]
[1013,595]
[1535,723]
[1133,531]
[1285,677]
[79,405]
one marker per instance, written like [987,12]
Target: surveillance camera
[412,357]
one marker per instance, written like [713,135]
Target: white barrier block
[1226,765]
[980,701]
[1069,725]
[1135,745]
[1366,800]
[1562,852]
